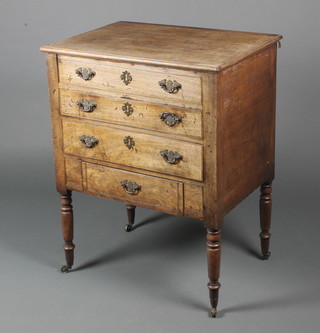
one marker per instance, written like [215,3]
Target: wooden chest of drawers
[175,119]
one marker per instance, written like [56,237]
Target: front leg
[214,254]
[131,214]
[67,229]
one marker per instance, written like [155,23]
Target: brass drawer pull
[129,142]
[85,73]
[89,141]
[126,77]
[169,86]
[86,105]
[171,157]
[130,187]
[170,118]
[127,109]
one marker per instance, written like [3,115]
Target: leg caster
[67,229]
[213,312]
[214,254]
[131,214]
[65,268]
[265,218]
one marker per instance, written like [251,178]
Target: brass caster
[266,256]
[65,268]
[214,312]
[128,227]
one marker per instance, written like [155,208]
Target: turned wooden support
[214,254]
[131,214]
[67,229]
[265,218]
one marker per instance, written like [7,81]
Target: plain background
[154,278]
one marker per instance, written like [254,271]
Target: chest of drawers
[175,119]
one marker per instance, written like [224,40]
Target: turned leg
[214,254]
[265,218]
[67,229]
[131,213]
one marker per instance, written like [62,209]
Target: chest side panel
[246,127]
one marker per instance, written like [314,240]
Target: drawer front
[127,112]
[148,191]
[130,148]
[170,87]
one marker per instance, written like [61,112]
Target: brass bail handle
[171,87]
[89,141]
[171,157]
[85,73]
[86,105]
[170,119]
[130,187]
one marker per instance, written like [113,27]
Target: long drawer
[126,147]
[128,112]
[173,87]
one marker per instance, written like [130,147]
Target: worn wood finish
[155,192]
[226,137]
[210,195]
[193,200]
[246,127]
[132,169]
[265,218]
[145,153]
[67,229]
[131,214]
[190,198]
[146,83]
[73,173]
[168,46]
[143,115]
[52,70]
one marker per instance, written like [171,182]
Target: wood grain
[169,46]
[73,174]
[145,83]
[226,137]
[193,200]
[246,127]
[143,115]
[57,137]
[212,219]
[145,154]
[156,193]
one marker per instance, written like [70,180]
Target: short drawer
[139,189]
[128,112]
[134,149]
[172,87]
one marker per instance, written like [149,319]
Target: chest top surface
[173,46]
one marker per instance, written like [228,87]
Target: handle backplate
[88,141]
[171,157]
[86,105]
[85,73]
[130,187]
[170,86]
[170,119]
